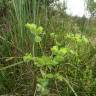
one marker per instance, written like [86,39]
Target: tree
[91,6]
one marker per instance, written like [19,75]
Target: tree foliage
[91,5]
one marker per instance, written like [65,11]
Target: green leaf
[78,37]
[50,75]
[38,39]
[52,35]
[42,86]
[45,61]
[85,39]
[31,27]
[43,81]
[59,77]
[59,58]
[28,57]
[54,49]
[63,51]
[39,30]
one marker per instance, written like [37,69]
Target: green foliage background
[27,67]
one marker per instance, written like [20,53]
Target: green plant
[58,60]
[46,64]
[53,67]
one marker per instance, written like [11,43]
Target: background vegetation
[44,51]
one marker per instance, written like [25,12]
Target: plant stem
[12,65]
[33,49]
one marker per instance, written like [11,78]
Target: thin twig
[12,65]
